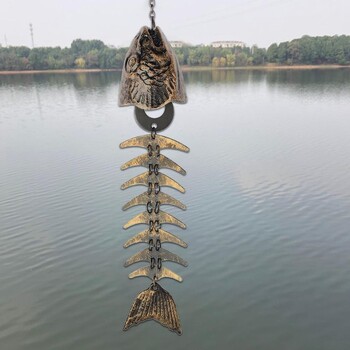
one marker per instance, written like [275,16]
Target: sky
[261,22]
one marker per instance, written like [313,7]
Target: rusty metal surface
[151,76]
[154,303]
[146,255]
[162,217]
[155,254]
[165,237]
[144,161]
[160,123]
[164,272]
[144,179]
[164,143]
[163,198]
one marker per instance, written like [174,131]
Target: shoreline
[184,68]
[266,67]
[57,71]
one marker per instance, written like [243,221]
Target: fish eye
[131,64]
[132,61]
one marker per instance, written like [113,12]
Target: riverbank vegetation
[94,54]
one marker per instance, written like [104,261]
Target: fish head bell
[151,76]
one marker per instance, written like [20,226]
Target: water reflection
[310,78]
[78,80]
[268,196]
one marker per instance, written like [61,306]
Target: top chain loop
[152,14]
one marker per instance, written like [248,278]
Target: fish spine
[154,236]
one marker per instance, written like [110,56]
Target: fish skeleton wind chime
[151,79]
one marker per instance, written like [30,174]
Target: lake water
[268,196]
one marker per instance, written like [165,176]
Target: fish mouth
[150,38]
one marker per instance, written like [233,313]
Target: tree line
[95,54]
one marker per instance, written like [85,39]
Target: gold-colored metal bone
[165,255]
[154,303]
[164,143]
[162,273]
[151,77]
[165,237]
[161,179]
[146,255]
[163,198]
[162,217]
[162,161]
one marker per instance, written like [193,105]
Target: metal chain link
[150,150]
[153,133]
[152,14]
[153,205]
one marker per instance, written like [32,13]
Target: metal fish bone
[151,79]
[154,303]
[154,236]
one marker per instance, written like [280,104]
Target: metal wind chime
[151,79]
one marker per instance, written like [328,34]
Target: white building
[229,44]
[176,43]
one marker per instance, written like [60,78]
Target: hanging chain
[152,14]
[153,204]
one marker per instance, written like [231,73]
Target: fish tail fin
[154,303]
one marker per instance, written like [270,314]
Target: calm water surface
[268,195]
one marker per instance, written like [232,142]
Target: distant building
[176,43]
[229,44]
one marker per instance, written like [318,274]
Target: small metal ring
[153,22]
[151,225]
[156,225]
[149,190]
[147,123]
[157,151]
[154,285]
[150,150]
[153,263]
[159,263]
[153,133]
[149,207]
[156,207]
[150,245]
[156,169]
[156,188]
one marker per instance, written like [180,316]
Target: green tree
[223,62]
[81,47]
[95,54]
[241,59]
[230,60]
[282,52]
[272,53]
[92,59]
[258,56]
[216,62]
[80,62]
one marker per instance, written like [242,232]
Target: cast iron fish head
[151,76]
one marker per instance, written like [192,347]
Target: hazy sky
[262,22]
